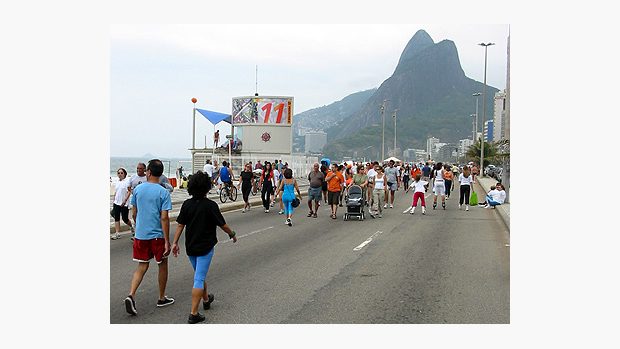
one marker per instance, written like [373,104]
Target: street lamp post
[474,127]
[394,116]
[383,129]
[477,94]
[484,106]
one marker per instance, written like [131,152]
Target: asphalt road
[447,266]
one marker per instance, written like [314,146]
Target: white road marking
[248,234]
[367,241]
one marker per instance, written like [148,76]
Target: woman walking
[246,184]
[406,173]
[200,217]
[379,193]
[119,207]
[287,187]
[448,177]
[465,182]
[267,183]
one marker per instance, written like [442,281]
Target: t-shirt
[415,171]
[465,180]
[201,217]
[121,191]
[371,174]
[135,180]
[208,169]
[390,174]
[150,199]
[334,183]
[426,171]
[225,174]
[316,179]
[246,178]
[448,175]
[359,179]
[498,196]
[419,186]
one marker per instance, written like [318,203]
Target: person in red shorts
[151,203]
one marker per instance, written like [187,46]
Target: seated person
[495,197]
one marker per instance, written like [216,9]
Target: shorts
[333,197]
[324,186]
[439,188]
[392,187]
[314,194]
[117,211]
[144,250]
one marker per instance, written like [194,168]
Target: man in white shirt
[371,173]
[208,168]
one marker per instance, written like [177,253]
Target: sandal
[314,215]
[310,214]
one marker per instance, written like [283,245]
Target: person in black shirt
[246,183]
[199,216]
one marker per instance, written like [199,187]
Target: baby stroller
[355,203]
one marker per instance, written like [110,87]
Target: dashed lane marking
[250,233]
[360,246]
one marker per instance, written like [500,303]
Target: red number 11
[267,109]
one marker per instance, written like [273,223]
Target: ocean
[129,164]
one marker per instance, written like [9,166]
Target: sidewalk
[483,186]
[178,196]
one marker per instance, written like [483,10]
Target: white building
[430,146]
[499,116]
[315,141]
[464,145]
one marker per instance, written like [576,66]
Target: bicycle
[228,191]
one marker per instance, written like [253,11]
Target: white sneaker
[243,211]
[115,236]
[385,206]
[391,206]
[266,211]
[423,210]
[289,222]
[412,210]
[466,207]
[460,206]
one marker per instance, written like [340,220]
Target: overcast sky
[155,70]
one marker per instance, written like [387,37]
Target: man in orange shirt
[335,182]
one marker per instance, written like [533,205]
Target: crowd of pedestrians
[148,195]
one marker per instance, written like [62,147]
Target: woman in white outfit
[439,187]
[379,192]
[465,180]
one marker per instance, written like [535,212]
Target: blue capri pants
[201,268]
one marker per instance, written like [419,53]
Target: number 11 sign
[263,110]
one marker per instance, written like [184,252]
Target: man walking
[316,179]
[335,182]
[151,203]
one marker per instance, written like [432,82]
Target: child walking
[199,216]
[418,193]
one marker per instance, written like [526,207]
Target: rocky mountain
[428,92]
[324,117]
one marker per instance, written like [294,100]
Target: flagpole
[194,100]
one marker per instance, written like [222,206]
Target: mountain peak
[418,42]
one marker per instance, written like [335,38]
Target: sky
[155,70]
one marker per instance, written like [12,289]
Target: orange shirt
[333,184]
[414,172]
[448,175]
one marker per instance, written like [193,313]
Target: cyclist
[226,175]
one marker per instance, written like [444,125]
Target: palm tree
[491,153]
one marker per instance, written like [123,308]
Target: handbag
[295,202]
[473,198]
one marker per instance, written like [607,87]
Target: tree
[491,153]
